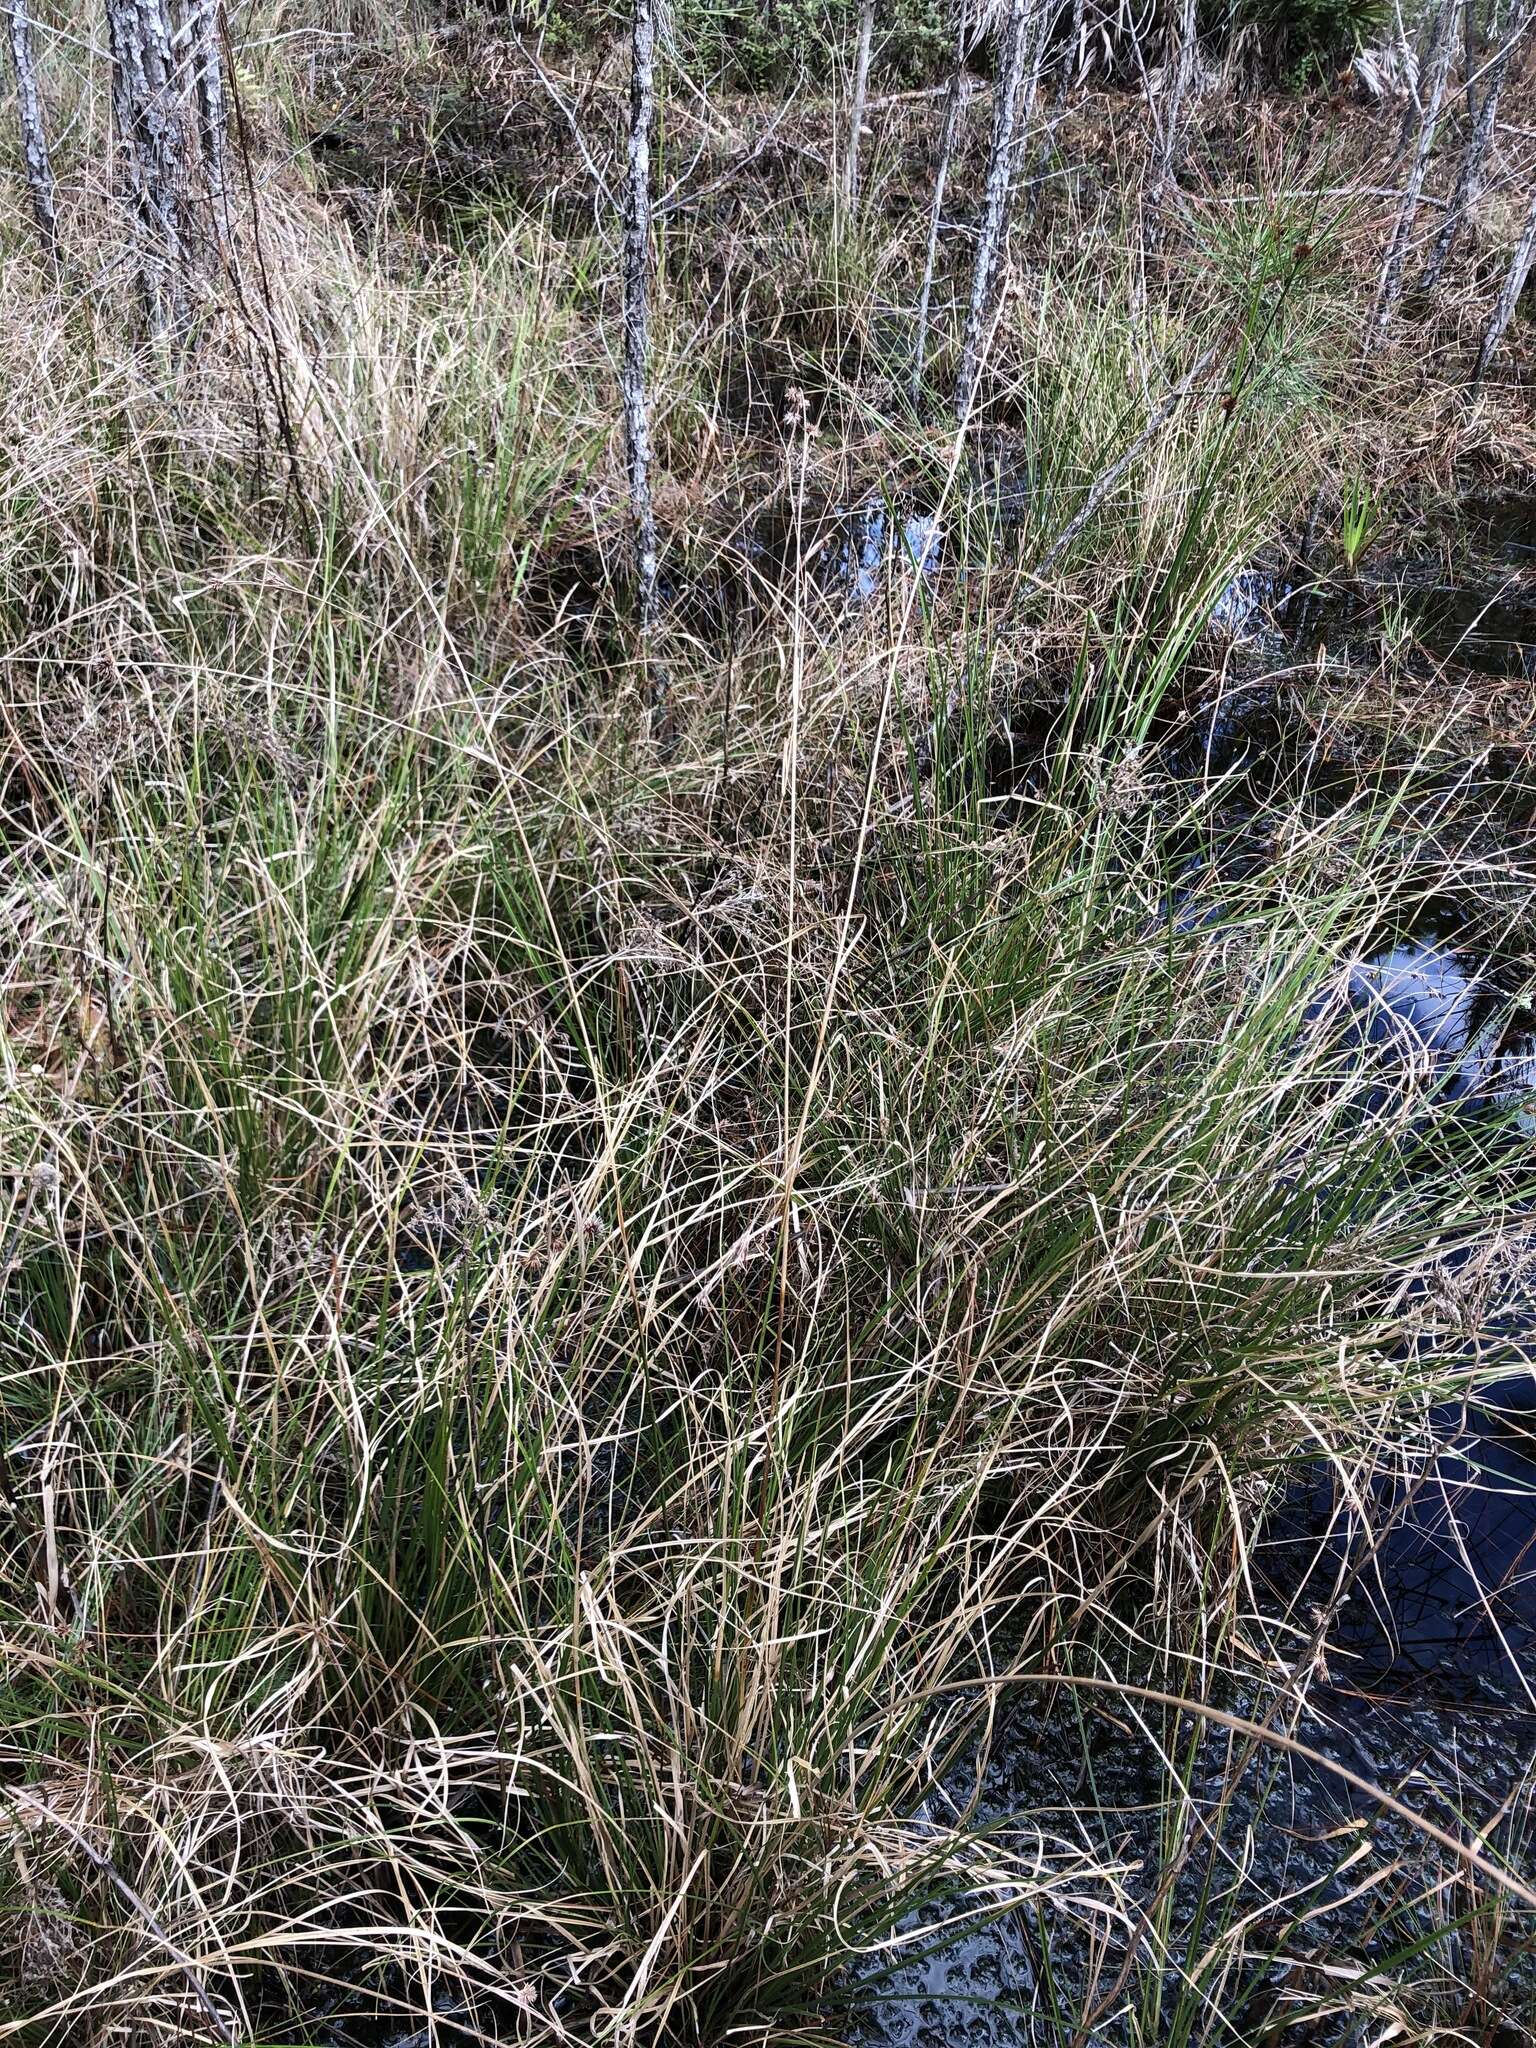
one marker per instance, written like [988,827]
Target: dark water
[1425,1683]
[1442,1553]
[1424,1584]
[1477,612]
[1467,600]
[1442,1563]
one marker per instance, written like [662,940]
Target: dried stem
[30,1803]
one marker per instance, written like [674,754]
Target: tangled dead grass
[584,1322]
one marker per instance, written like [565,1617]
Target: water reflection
[1439,1012]
[1442,1554]
[869,541]
[1437,1565]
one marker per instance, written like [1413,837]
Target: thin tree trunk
[860,96]
[34,133]
[150,115]
[1023,44]
[1073,67]
[1514,283]
[1469,176]
[1066,79]
[1180,74]
[212,110]
[637,331]
[954,100]
[1437,42]
[1391,288]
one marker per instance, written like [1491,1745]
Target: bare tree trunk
[954,100]
[1469,176]
[1435,42]
[1072,67]
[1390,290]
[212,109]
[1514,283]
[1071,58]
[1181,65]
[637,331]
[34,134]
[170,114]
[148,108]
[1023,46]
[860,97]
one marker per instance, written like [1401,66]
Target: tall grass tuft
[587,1326]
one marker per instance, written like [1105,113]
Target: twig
[1106,480]
[125,1890]
[568,115]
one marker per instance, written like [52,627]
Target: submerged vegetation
[741,1358]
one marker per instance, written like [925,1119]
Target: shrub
[1307,39]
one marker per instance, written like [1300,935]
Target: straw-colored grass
[586,1319]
